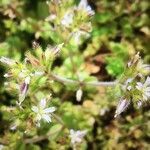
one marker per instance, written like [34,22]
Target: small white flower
[42,112]
[79,94]
[77,136]
[67,19]
[83,5]
[122,106]
[144,88]
[7,61]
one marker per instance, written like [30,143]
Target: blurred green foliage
[120,29]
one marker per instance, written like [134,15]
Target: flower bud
[23,89]
[7,61]
[79,94]
[134,60]
[57,48]
[7,75]
[122,106]
[34,61]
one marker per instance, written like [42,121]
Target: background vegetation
[120,29]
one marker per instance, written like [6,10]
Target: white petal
[145,97]
[129,80]
[49,110]
[147,82]
[46,118]
[139,103]
[147,89]
[35,109]
[78,139]
[147,94]
[139,85]
[83,4]
[43,103]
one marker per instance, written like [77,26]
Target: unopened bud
[35,45]
[7,75]
[134,60]
[122,106]
[79,94]
[57,49]
[23,89]
[7,61]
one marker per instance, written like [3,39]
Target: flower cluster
[33,67]
[24,78]
[74,20]
[135,84]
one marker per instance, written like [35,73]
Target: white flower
[83,5]
[122,106]
[7,61]
[144,88]
[77,136]
[67,19]
[42,112]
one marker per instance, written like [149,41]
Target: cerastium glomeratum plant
[28,77]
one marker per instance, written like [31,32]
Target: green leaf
[103,17]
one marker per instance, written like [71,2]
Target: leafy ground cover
[111,32]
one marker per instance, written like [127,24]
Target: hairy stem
[92,83]
[42,137]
